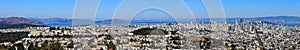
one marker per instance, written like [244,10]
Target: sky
[107,8]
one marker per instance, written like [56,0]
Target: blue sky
[232,8]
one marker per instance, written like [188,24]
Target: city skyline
[149,25]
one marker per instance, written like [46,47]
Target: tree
[2,48]
[55,46]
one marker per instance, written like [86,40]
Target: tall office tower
[282,26]
[236,22]
[282,22]
[242,24]
[250,28]
[241,21]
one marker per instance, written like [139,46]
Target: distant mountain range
[12,21]
[18,22]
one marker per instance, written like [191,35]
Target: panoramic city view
[149,24]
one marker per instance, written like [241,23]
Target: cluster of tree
[6,26]
[206,44]
[48,45]
[175,40]
[12,36]
[108,37]
[110,45]
[147,31]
